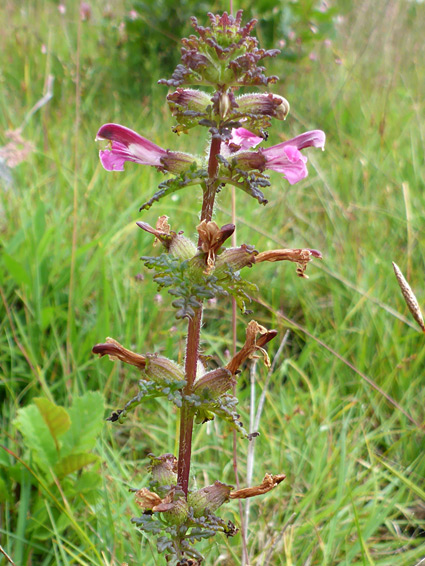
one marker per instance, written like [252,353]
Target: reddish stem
[193,337]
[186,415]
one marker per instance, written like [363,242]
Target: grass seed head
[409,297]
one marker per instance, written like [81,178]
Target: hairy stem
[186,414]
[193,337]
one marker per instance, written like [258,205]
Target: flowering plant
[224,57]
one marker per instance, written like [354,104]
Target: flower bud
[182,247]
[217,382]
[163,469]
[236,258]
[174,507]
[209,499]
[162,370]
[188,99]
[263,104]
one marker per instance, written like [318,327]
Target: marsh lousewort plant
[222,57]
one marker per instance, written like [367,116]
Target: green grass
[355,464]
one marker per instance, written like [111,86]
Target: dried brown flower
[162,231]
[212,238]
[146,499]
[300,256]
[251,345]
[269,482]
[116,351]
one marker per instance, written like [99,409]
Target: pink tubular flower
[241,138]
[244,138]
[127,145]
[285,157]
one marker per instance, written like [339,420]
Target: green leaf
[73,463]
[4,458]
[37,436]
[55,417]
[87,415]
[16,270]
[88,482]
[5,494]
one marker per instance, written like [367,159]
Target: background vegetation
[70,276]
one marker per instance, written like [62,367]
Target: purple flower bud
[263,104]
[188,99]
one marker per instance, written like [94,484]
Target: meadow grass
[355,489]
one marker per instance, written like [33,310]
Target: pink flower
[127,145]
[244,138]
[240,139]
[285,157]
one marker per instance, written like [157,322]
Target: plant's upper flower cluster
[224,53]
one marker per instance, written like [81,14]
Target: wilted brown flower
[212,238]
[173,505]
[162,231]
[116,351]
[177,244]
[300,256]
[146,499]
[269,482]
[252,344]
